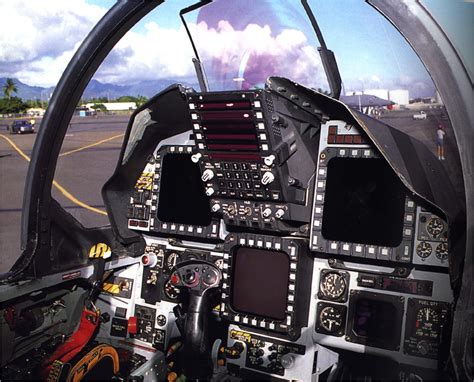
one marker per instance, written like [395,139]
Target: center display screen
[260,282]
[182,198]
[364,202]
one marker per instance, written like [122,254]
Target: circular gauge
[424,249]
[333,285]
[161,320]
[435,227]
[423,347]
[171,261]
[171,291]
[219,263]
[331,319]
[442,251]
[427,323]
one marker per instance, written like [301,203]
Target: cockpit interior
[265,233]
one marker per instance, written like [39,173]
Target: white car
[420,115]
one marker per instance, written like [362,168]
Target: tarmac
[89,156]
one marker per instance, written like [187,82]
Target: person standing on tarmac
[440,133]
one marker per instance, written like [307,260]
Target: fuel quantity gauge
[427,323]
[424,327]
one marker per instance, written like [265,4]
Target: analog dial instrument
[442,251]
[427,323]
[331,319]
[435,227]
[333,285]
[424,249]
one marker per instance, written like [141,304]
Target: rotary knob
[279,213]
[195,157]
[269,160]
[266,212]
[207,175]
[287,361]
[267,178]
[209,191]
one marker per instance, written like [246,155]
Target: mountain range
[148,88]
[96,89]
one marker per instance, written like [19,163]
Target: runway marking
[65,192]
[91,145]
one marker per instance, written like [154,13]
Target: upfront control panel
[233,145]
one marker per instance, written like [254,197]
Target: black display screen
[260,282]
[375,320]
[182,197]
[364,202]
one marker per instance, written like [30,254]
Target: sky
[37,40]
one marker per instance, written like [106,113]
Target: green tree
[33,103]
[9,88]
[12,105]
[126,99]
[140,100]
[97,100]
[99,107]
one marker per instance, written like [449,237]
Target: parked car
[21,126]
[420,115]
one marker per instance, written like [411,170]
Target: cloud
[38,39]
[37,42]
[152,53]
[160,52]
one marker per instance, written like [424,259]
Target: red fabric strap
[70,348]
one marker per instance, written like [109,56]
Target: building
[115,106]
[399,96]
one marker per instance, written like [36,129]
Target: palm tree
[9,88]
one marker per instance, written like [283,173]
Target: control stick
[199,278]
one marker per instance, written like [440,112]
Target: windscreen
[260,282]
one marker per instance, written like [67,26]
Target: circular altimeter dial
[331,319]
[424,249]
[435,227]
[333,285]
[427,323]
[442,251]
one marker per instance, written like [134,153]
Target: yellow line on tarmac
[56,184]
[91,145]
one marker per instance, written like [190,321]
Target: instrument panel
[310,226]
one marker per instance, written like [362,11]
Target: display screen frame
[401,253]
[299,281]
[182,192]
[391,337]
[253,292]
[364,202]
[205,232]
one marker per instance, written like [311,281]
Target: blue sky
[370,52]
